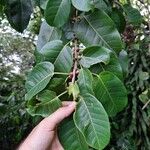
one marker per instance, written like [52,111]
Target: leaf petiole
[61,73]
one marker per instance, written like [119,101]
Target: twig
[75,67]
[146,104]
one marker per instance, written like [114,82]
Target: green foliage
[91,75]
[94,92]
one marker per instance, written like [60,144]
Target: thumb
[54,119]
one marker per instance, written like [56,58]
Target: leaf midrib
[41,81]
[91,122]
[97,32]
[107,92]
[58,11]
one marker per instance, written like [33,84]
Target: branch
[75,67]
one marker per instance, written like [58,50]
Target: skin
[44,135]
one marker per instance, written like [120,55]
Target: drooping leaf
[57,12]
[110,91]
[47,34]
[70,137]
[91,119]
[38,79]
[97,28]
[18,13]
[58,54]
[113,66]
[93,55]
[133,15]
[48,102]
[119,19]
[85,80]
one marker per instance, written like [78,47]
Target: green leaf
[48,103]
[70,137]
[113,66]
[43,3]
[47,34]
[93,55]
[144,96]
[56,82]
[38,79]
[123,59]
[18,13]
[91,119]
[58,54]
[85,80]
[57,12]
[133,15]
[51,50]
[101,4]
[73,90]
[64,61]
[84,5]
[97,28]
[110,91]
[119,19]
[144,75]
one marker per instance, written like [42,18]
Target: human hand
[44,135]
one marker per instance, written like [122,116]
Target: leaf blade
[38,78]
[48,103]
[111,92]
[95,124]
[85,80]
[93,55]
[98,29]
[57,12]
[70,136]
[18,13]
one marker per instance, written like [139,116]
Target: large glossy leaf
[91,119]
[18,13]
[57,12]
[85,80]
[133,15]
[47,34]
[70,137]
[45,104]
[58,54]
[93,55]
[38,78]
[110,91]
[97,28]
[113,66]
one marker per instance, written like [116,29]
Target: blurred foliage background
[130,128]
